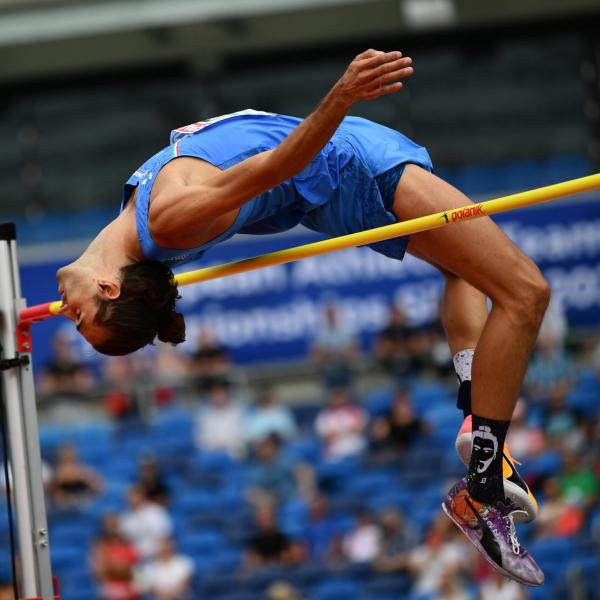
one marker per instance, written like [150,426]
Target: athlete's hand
[373,74]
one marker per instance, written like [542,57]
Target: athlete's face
[79,295]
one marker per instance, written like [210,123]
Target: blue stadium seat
[67,557]
[588,566]
[378,402]
[428,395]
[293,516]
[545,465]
[341,589]
[194,501]
[260,579]
[224,561]
[201,543]
[390,585]
[552,554]
[216,584]
[362,483]
[585,396]
[239,595]
[212,462]
[80,593]
[77,534]
[307,574]
[308,449]
[333,476]
[396,498]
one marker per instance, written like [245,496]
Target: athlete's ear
[108,290]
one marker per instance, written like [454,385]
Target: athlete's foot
[492,531]
[515,488]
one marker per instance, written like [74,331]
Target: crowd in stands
[335,500]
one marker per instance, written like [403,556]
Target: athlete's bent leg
[464,313]
[480,253]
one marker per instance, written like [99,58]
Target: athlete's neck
[114,247]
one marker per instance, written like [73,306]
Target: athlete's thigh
[477,251]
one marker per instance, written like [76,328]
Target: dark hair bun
[144,309]
[173,332]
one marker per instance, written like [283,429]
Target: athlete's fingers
[383,91]
[379,59]
[387,78]
[394,65]
[367,54]
[385,81]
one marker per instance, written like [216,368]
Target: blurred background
[298,445]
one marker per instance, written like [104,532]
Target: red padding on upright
[35,313]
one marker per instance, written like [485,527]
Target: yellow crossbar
[434,221]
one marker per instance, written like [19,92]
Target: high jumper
[256,172]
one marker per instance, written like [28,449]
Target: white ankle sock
[462,364]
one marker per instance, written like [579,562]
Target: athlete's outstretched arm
[370,75]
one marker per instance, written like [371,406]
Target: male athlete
[258,173]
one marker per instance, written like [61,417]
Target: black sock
[463,400]
[484,481]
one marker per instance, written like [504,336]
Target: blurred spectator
[525,441]
[577,482]
[271,475]
[220,424]
[585,440]
[210,363]
[73,484]
[169,370]
[549,370]
[558,516]
[269,545]
[444,550]
[146,524]
[7,592]
[452,587]
[169,576]
[398,539]
[320,530]
[498,587]
[151,482]
[334,350]
[121,399]
[268,417]
[280,590]
[393,342]
[341,426]
[363,542]
[64,375]
[169,365]
[113,560]
[397,431]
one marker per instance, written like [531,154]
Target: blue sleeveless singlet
[335,195]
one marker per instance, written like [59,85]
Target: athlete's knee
[529,297]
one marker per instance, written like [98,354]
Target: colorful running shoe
[515,488]
[492,531]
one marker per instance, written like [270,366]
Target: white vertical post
[22,431]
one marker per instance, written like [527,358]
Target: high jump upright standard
[21,427]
